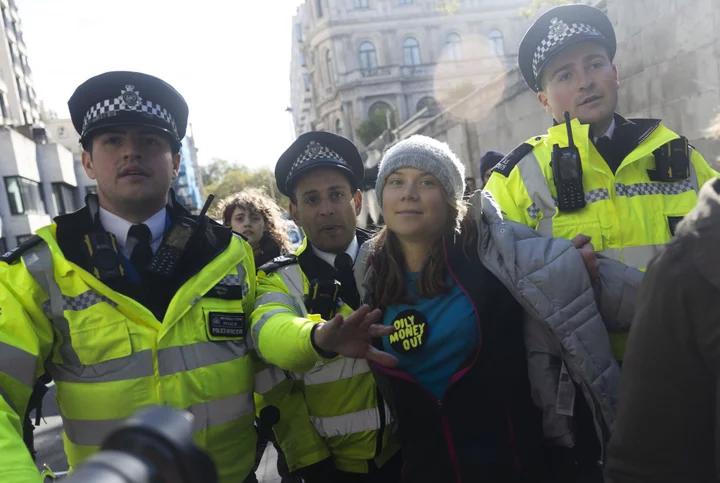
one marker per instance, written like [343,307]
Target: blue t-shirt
[434,336]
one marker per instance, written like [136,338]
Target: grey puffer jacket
[567,317]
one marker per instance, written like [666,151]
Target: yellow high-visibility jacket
[628,215]
[109,356]
[344,404]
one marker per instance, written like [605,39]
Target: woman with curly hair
[257,217]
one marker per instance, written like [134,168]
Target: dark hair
[389,266]
[252,201]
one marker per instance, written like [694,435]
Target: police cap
[557,29]
[128,98]
[318,149]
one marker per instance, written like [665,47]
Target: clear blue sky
[229,58]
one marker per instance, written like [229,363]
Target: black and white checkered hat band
[554,39]
[316,151]
[112,107]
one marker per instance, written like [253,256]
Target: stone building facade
[351,57]
[668,60]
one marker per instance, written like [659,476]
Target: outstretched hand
[351,336]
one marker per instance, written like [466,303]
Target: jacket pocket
[101,339]
[570,229]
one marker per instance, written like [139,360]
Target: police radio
[168,255]
[567,171]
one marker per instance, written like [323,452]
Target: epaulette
[278,262]
[508,163]
[14,255]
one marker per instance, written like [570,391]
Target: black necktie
[348,287]
[142,253]
[606,148]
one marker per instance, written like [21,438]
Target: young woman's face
[414,205]
[251,226]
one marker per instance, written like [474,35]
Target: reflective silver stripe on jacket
[276,298]
[39,263]
[335,371]
[539,193]
[172,360]
[365,420]
[237,280]
[269,378]
[293,278]
[18,364]
[134,366]
[259,325]
[6,397]
[659,187]
[207,415]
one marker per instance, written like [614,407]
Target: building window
[428,102]
[497,44]
[20,88]
[91,190]
[306,82]
[63,198]
[411,50]
[453,47]
[61,132]
[361,3]
[368,56]
[298,32]
[405,2]
[3,245]
[379,107]
[303,61]
[318,8]
[338,127]
[24,196]
[329,68]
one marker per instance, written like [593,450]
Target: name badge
[226,325]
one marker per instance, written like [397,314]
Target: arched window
[428,102]
[368,56]
[338,127]
[411,51]
[378,107]
[497,44]
[453,47]
[329,67]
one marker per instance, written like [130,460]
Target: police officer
[109,302]
[626,183]
[320,173]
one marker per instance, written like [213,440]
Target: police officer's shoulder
[277,263]
[16,253]
[508,163]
